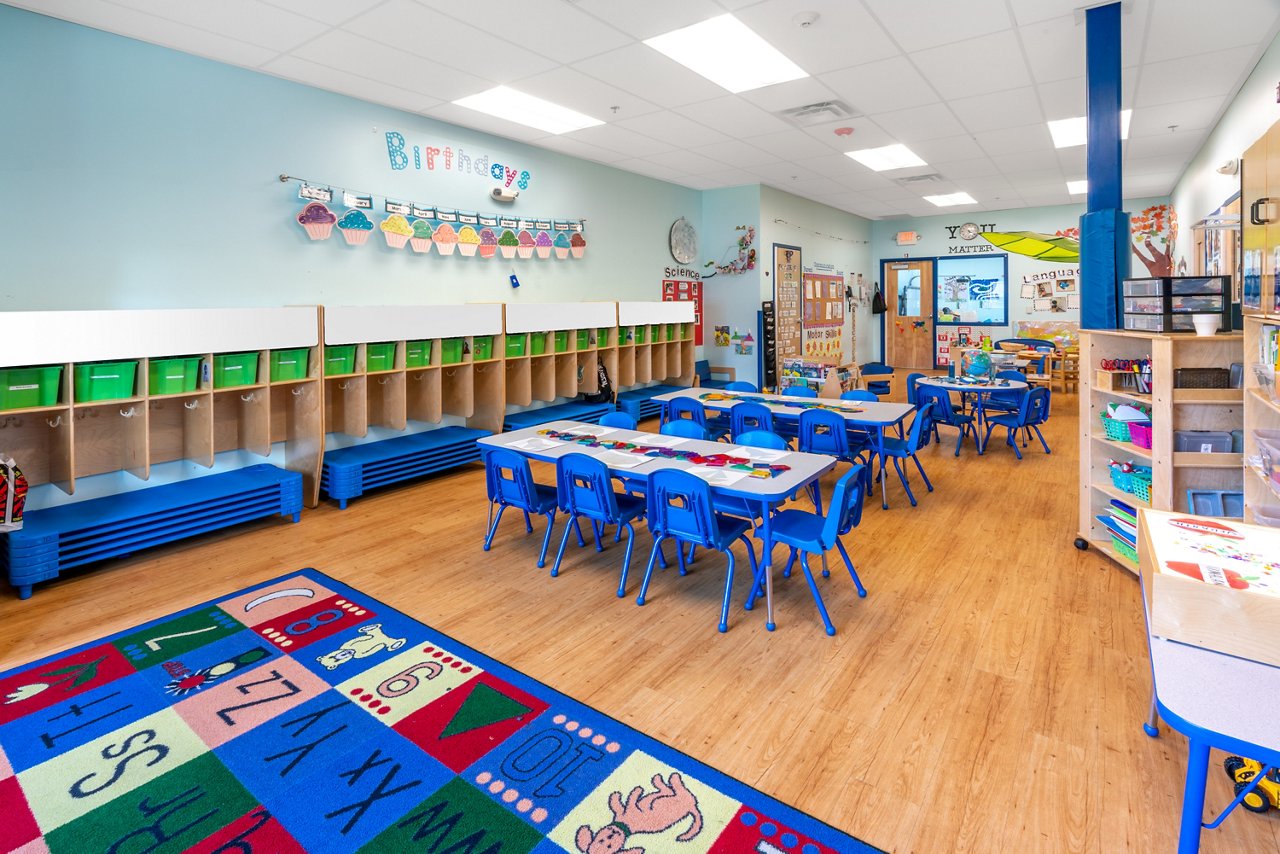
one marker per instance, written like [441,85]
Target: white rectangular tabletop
[803,467]
[862,412]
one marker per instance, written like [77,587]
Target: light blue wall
[138,176]
[730,299]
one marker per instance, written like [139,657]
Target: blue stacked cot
[640,403]
[348,472]
[574,410]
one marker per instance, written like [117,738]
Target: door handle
[1254,217]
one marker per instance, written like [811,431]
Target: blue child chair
[741,385]
[685,429]
[944,414]
[618,419]
[509,483]
[749,415]
[899,450]
[1009,399]
[684,409]
[680,509]
[1033,412]
[859,394]
[798,391]
[761,439]
[809,533]
[912,379]
[584,489]
[880,387]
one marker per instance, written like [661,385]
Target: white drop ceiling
[967,85]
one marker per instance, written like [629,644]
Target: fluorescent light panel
[1068,133]
[950,199]
[888,157]
[1077,188]
[506,103]
[728,53]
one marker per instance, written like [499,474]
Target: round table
[979,392]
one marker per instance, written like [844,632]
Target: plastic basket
[1267,514]
[671,332]
[339,359]
[1202,378]
[515,345]
[538,343]
[1117,431]
[482,347]
[173,376]
[380,356]
[1266,376]
[104,380]
[23,387]
[234,369]
[1140,485]
[584,339]
[1127,551]
[417,354]
[602,336]
[562,341]
[642,333]
[1119,479]
[290,364]
[451,351]
[1140,433]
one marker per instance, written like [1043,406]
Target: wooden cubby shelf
[1261,412]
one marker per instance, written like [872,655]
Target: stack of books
[1122,521]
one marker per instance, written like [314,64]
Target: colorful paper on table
[302,715]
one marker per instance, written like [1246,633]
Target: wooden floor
[986,696]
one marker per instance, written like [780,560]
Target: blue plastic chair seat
[796,527]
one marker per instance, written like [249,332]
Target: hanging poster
[674,290]
[823,315]
[722,336]
[786,295]
[973,290]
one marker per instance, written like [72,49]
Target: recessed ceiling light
[950,199]
[887,157]
[1077,188]
[507,103]
[728,53]
[1068,133]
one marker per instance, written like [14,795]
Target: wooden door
[908,331]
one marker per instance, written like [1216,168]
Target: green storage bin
[234,369]
[584,339]
[339,359]
[602,336]
[24,387]
[538,343]
[481,348]
[641,334]
[515,345]
[671,332]
[105,380]
[562,341]
[417,354]
[380,356]
[289,364]
[451,351]
[173,376]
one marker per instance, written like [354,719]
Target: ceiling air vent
[820,113]
[913,180]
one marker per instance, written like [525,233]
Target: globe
[977,364]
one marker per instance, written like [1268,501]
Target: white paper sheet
[759,455]
[619,460]
[533,443]
[657,441]
[592,430]
[717,476]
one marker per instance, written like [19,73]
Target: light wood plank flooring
[986,696]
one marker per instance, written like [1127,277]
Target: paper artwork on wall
[745,345]
[722,336]
[674,290]
[356,227]
[318,220]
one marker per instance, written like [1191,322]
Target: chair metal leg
[728,591]
[626,557]
[546,539]
[648,570]
[916,460]
[857,582]
[758,585]
[493,529]
[564,541]
[826,573]
[817,596]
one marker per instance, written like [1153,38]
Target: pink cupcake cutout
[396,230]
[355,227]
[562,245]
[508,243]
[468,241]
[421,239]
[446,238]
[318,220]
[488,243]
[526,247]
[577,245]
[543,244]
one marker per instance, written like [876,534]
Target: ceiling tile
[581,92]
[414,28]
[999,110]
[642,166]
[978,167]
[641,70]
[866,134]
[310,74]
[329,11]
[672,127]
[815,187]
[1030,11]
[919,123]
[553,28]
[783,174]
[735,153]
[359,56]
[1178,146]
[615,138]
[882,86]
[447,112]
[843,35]
[1228,23]
[960,147]
[785,96]
[731,178]
[1014,140]
[652,17]
[1073,161]
[1188,115]
[273,28]
[685,161]
[733,116]
[942,24]
[1149,167]
[991,63]
[789,144]
[1055,48]
[578,148]
[1062,99]
[1025,161]
[1192,77]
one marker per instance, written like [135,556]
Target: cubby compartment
[181,428]
[41,443]
[242,420]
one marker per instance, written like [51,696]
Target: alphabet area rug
[302,715]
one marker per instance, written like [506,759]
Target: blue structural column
[1104,229]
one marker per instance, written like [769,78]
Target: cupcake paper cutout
[318,220]
[468,241]
[577,245]
[508,243]
[446,238]
[488,243]
[396,230]
[355,227]
[543,244]
[421,239]
[562,245]
[525,249]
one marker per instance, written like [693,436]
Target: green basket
[380,356]
[339,359]
[1124,548]
[641,334]
[671,332]
[451,351]
[584,339]
[626,335]
[234,369]
[417,354]
[104,380]
[562,341]
[515,345]
[24,387]
[481,347]
[538,343]
[289,364]
[602,336]
[173,376]
[1117,431]
[1140,486]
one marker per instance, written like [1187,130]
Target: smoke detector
[805,20]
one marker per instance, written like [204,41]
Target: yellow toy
[1267,793]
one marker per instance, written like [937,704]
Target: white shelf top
[42,337]
[352,324]
[631,313]
[552,316]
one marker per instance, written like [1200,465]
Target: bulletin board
[972,290]
[676,290]
[786,297]
[823,312]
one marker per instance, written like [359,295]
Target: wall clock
[683,241]
[968,231]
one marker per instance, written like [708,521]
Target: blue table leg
[1193,796]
